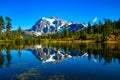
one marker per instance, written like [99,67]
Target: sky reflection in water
[67,62]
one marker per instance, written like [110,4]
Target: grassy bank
[34,41]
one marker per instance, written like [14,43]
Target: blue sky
[26,12]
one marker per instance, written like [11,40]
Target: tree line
[100,32]
[8,36]
[5,29]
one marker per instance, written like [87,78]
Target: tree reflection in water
[55,53]
[1,59]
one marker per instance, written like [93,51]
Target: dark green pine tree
[114,27]
[96,29]
[104,35]
[109,27]
[8,27]
[100,26]
[19,30]
[118,24]
[83,35]
[1,24]
[89,30]
[66,32]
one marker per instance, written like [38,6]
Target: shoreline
[82,41]
[62,41]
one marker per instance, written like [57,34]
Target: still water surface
[81,61]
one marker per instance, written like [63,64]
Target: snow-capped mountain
[53,25]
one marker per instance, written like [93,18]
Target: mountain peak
[52,25]
[54,17]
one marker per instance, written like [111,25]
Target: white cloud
[95,19]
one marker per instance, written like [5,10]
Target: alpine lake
[60,61]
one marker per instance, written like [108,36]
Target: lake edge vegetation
[99,32]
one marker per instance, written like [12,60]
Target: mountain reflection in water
[61,61]
[58,52]
[53,54]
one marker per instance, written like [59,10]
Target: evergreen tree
[89,30]
[1,24]
[83,35]
[96,29]
[66,32]
[100,26]
[104,36]
[18,37]
[8,27]
[118,24]
[109,27]
[114,27]
[19,30]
